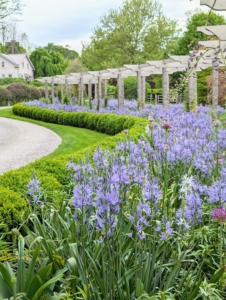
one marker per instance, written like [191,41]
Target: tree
[67,53]
[47,63]
[190,38]
[75,66]
[9,8]
[132,34]
[5,95]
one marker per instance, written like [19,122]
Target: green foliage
[47,63]
[14,47]
[154,91]
[37,83]
[130,88]
[65,51]
[34,93]
[30,280]
[111,89]
[67,99]
[13,208]
[9,80]
[202,86]
[191,36]
[134,33]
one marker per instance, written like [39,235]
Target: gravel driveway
[22,143]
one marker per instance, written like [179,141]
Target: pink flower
[126,131]
[219,215]
[166,126]
[216,123]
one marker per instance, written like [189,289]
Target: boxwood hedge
[52,172]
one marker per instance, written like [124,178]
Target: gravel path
[22,143]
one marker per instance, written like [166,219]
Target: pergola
[165,67]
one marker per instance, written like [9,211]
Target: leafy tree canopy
[191,36]
[75,66]
[9,8]
[136,32]
[65,51]
[14,47]
[48,63]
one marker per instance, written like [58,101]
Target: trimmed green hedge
[52,172]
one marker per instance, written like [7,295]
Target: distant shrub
[5,95]
[37,83]
[34,93]
[18,91]
[9,80]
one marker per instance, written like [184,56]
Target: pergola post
[122,91]
[190,90]
[139,89]
[215,88]
[195,95]
[52,89]
[105,88]
[95,90]
[66,86]
[99,93]
[119,83]
[143,83]
[165,88]
[46,90]
[62,92]
[81,91]
[90,89]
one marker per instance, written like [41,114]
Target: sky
[71,22]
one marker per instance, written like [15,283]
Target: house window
[3,75]
[3,64]
[23,65]
[21,76]
[27,66]
[10,75]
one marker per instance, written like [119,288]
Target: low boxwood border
[55,169]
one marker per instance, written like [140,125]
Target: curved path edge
[22,143]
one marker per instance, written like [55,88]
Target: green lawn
[73,138]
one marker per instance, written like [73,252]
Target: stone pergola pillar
[52,89]
[62,92]
[190,89]
[46,90]
[119,83]
[105,88]
[215,87]
[122,91]
[66,86]
[165,88]
[90,89]
[99,96]
[139,89]
[95,90]
[195,89]
[143,84]
[81,91]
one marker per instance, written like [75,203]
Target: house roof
[17,59]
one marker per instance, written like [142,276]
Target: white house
[16,66]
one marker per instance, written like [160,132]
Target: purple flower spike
[219,215]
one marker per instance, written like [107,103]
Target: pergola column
[81,91]
[62,92]
[90,89]
[66,86]
[119,83]
[122,91]
[105,88]
[165,88]
[190,89]
[52,89]
[195,95]
[139,89]
[99,93]
[215,87]
[143,83]
[95,90]
[46,90]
